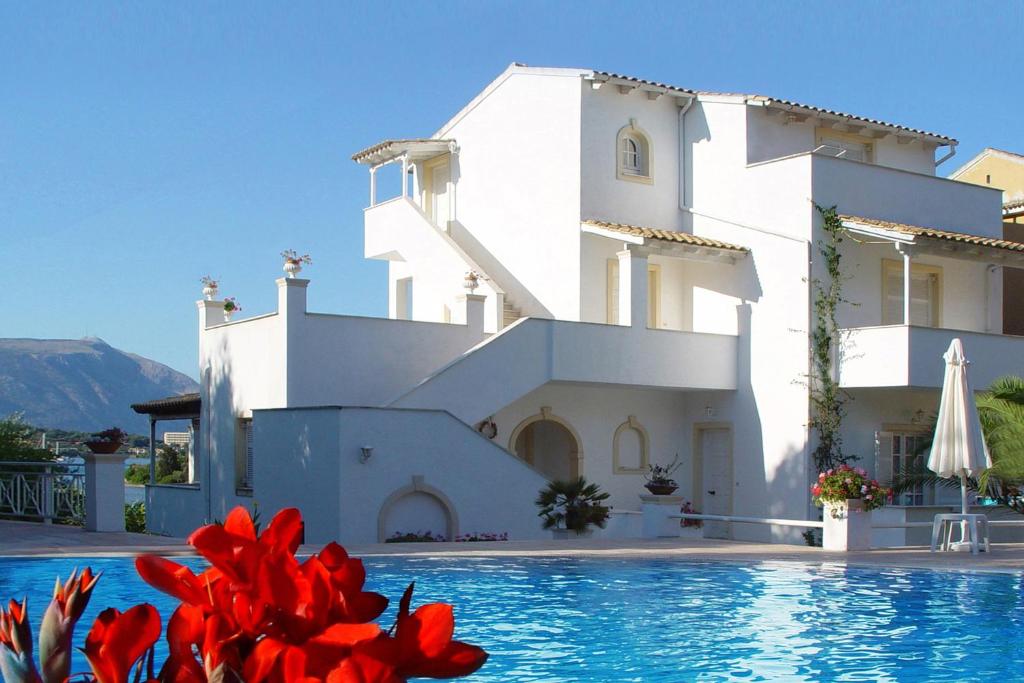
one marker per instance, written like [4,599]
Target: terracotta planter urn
[661,489]
[103,447]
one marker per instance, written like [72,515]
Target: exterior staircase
[511,313]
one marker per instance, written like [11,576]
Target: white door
[716,461]
[439,209]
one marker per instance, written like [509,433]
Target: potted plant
[107,441]
[659,479]
[209,287]
[848,496]
[230,306]
[293,262]
[571,508]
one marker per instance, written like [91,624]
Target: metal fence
[44,491]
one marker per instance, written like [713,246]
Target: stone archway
[549,444]
[416,507]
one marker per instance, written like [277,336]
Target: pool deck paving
[26,539]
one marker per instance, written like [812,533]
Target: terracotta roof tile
[921,231]
[665,235]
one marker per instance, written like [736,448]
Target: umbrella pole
[963,506]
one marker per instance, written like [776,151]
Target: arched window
[632,157]
[633,154]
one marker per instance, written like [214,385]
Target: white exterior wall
[518,186]
[604,196]
[768,137]
[317,451]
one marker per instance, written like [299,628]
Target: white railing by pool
[751,520]
[42,490]
[818,525]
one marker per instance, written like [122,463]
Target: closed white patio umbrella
[958,448]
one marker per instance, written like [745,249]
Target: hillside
[83,384]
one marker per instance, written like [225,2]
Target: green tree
[18,441]
[170,465]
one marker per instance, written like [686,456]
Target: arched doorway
[549,444]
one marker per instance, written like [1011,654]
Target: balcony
[906,197]
[909,356]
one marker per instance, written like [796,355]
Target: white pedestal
[104,491]
[847,526]
[656,511]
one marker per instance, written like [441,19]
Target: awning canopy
[940,242]
[416,149]
[181,407]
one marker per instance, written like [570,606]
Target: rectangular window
[244,454]
[898,453]
[653,294]
[844,145]
[925,294]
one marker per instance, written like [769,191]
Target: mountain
[83,384]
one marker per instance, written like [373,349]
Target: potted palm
[571,508]
[659,478]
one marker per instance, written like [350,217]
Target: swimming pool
[554,619]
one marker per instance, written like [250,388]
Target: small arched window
[633,154]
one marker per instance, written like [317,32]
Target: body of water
[595,620]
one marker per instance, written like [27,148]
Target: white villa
[646,257]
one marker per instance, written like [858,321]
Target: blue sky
[144,145]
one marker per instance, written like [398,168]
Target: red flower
[117,640]
[422,646]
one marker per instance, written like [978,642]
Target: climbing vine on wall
[828,401]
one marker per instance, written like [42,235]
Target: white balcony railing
[909,356]
[42,490]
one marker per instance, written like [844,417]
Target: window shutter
[613,291]
[248,454]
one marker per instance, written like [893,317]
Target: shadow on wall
[514,289]
[748,444]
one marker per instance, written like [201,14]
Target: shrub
[137,474]
[135,517]
[416,537]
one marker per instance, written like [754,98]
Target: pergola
[181,407]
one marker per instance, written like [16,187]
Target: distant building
[1004,171]
[177,438]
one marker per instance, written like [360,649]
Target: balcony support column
[405,175]
[373,185]
[905,252]
[633,288]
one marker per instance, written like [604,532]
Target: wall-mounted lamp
[367,452]
[709,411]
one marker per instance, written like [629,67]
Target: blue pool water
[560,620]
